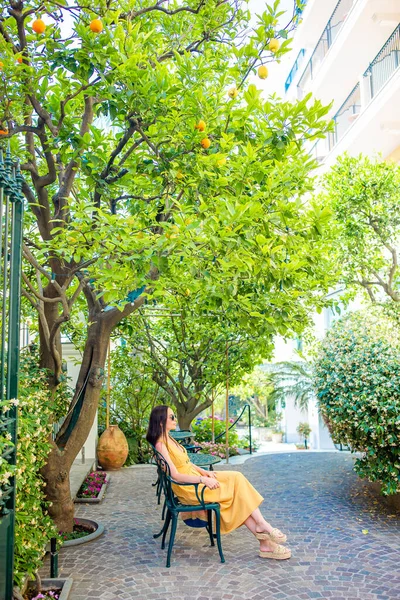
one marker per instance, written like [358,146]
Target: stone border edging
[88,538]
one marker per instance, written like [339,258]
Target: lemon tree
[126,202]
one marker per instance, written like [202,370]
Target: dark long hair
[157,424]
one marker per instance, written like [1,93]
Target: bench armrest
[200,497]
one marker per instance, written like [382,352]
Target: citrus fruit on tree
[201,126]
[19,59]
[206,143]
[39,26]
[274,45]
[96,26]
[263,72]
[233,92]
[221,162]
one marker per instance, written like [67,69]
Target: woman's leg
[251,524]
[261,523]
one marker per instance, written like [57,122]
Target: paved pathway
[315,498]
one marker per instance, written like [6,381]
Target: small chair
[174,508]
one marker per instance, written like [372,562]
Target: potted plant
[304,430]
[277,435]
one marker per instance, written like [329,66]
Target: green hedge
[357,381]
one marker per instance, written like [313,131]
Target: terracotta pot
[112,449]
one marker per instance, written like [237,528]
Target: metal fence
[324,43]
[384,64]
[11,216]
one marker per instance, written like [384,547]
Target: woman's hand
[207,473]
[210,482]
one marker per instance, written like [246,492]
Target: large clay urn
[112,449]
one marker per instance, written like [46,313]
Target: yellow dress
[236,496]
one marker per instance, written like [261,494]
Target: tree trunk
[186,415]
[57,490]
[78,424]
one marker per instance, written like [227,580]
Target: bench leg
[210,527]
[218,528]
[172,538]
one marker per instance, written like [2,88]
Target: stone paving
[345,544]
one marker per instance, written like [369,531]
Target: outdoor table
[185,437]
[204,460]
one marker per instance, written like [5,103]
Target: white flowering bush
[33,527]
[357,381]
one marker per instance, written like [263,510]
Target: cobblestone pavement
[345,544]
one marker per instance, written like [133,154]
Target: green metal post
[11,248]
[250,441]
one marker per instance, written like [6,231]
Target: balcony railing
[384,64]
[326,40]
[346,115]
[294,69]
[380,70]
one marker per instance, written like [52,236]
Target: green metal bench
[175,508]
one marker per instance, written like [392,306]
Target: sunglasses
[172,417]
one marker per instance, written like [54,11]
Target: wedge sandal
[275,535]
[278,553]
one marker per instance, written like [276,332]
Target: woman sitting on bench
[238,499]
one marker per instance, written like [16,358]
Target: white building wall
[73,357]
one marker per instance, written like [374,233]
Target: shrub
[202,427]
[304,430]
[33,526]
[357,380]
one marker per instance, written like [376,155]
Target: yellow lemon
[233,92]
[274,45]
[263,72]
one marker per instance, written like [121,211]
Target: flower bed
[45,595]
[80,530]
[218,449]
[93,488]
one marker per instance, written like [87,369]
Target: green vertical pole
[14,341]
[11,186]
[250,440]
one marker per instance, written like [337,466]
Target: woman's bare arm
[180,477]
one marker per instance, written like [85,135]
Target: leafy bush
[202,427]
[357,380]
[33,526]
[304,430]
